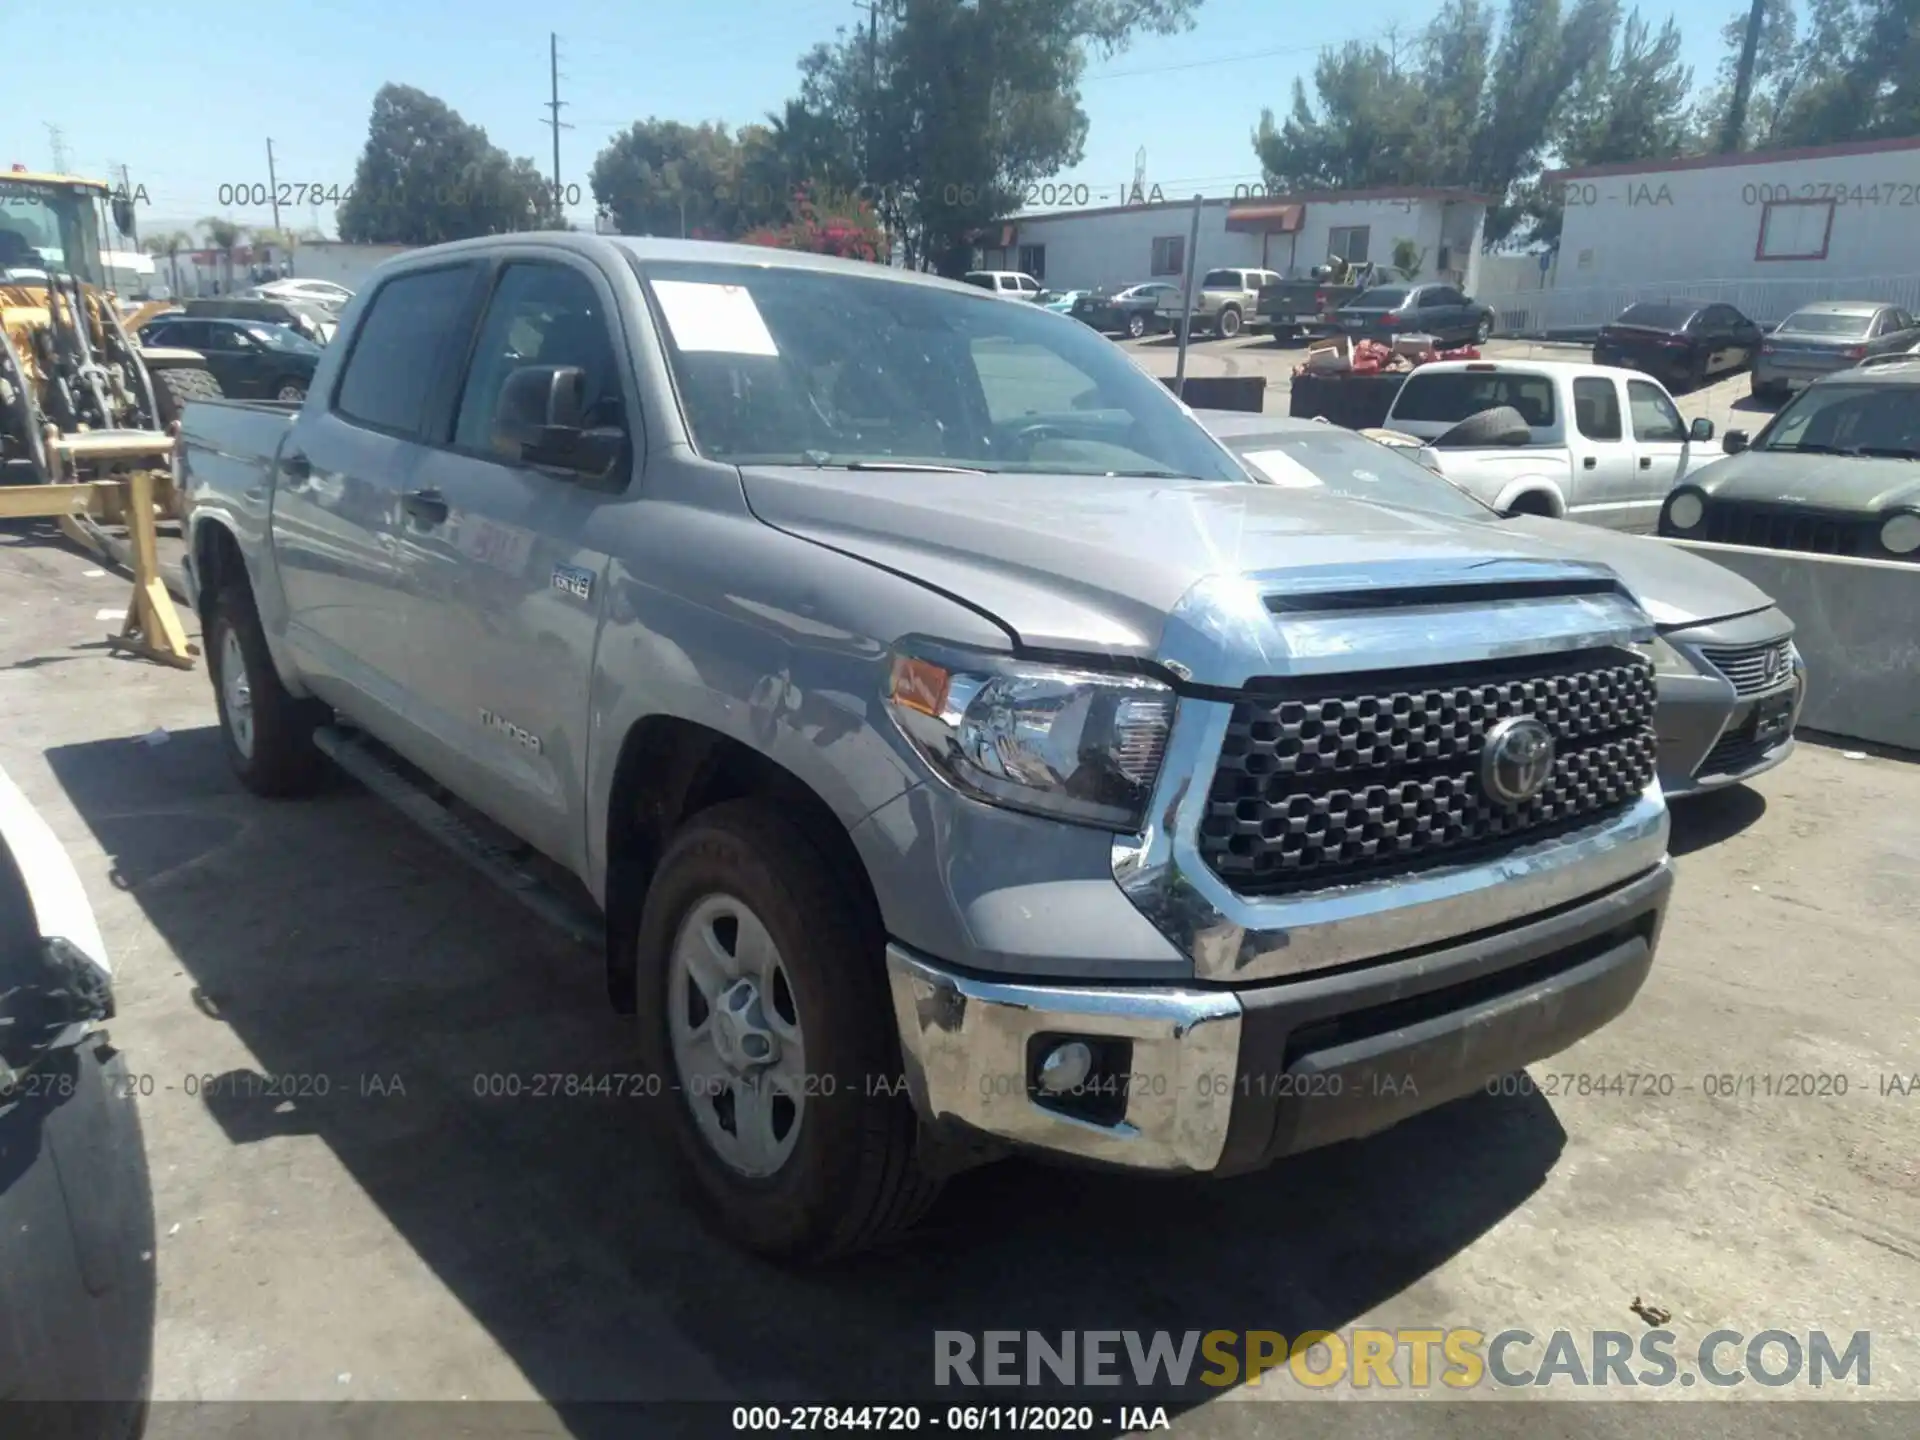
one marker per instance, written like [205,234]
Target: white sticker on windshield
[1282,469]
[720,318]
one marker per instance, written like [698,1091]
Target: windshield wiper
[1804,448]
[916,467]
[1886,452]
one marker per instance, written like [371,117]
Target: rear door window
[1596,408]
[1450,397]
[416,327]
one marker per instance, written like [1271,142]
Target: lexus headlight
[1666,659]
[1685,509]
[1076,745]
[1901,534]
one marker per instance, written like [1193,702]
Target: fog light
[1066,1067]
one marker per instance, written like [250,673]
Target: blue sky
[199,90]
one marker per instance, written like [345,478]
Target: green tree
[660,177]
[1472,105]
[168,245]
[223,238]
[951,110]
[426,176]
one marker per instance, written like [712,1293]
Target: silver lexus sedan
[1829,335]
[1730,679]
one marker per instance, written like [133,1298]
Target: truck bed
[247,434]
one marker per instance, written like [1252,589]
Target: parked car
[1292,308]
[910,696]
[77,1273]
[1596,443]
[1386,312]
[1061,302]
[1822,338]
[309,321]
[1224,301]
[1009,284]
[1731,681]
[315,292]
[250,360]
[1682,343]
[1133,311]
[1832,472]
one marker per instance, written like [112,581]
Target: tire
[267,732]
[1770,394]
[1136,326]
[850,1175]
[1483,332]
[174,387]
[1226,324]
[1482,429]
[290,389]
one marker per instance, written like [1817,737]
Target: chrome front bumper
[1225,1081]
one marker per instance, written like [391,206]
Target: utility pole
[1186,302]
[57,139]
[554,106]
[1734,132]
[273,185]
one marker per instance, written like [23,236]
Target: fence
[1586,308]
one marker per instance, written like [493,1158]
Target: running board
[363,759]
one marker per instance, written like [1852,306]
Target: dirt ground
[390,1233]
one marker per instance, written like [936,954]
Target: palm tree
[169,245]
[224,236]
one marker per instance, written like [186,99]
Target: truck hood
[1096,563]
[1676,588]
[1858,485]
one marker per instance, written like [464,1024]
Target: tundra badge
[512,731]
[575,581]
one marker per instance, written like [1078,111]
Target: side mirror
[1702,429]
[541,419]
[1733,442]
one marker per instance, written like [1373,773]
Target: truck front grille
[1319,785]
[1753,668]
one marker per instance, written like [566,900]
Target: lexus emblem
[1516,760]
[1773,666]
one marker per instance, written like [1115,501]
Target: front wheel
[1483,332]
[763,1000]
[268,733]
[291,391]
[1136,326]
[1228,325]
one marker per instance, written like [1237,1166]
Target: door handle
[1646,462]
[427,506]
[1592,462]
[296,467]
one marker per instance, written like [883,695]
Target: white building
[1764,232]
[1127,244]
[341,261]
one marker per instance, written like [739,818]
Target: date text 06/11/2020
[954,1419]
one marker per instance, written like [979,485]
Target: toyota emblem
[1517,760]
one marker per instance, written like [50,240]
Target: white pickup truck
[1603,445]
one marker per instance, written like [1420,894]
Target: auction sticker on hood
[1282,469]
[706,317]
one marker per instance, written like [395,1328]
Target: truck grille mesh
[1318,786]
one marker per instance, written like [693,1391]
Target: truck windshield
[1221,280]
[1448,397]
[1357,468]
[793,365]
[51,228]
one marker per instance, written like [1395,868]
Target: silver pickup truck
[963,753]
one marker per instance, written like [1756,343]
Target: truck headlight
[1076,745]
[1901,534]
[1685,509]
[1666,659]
